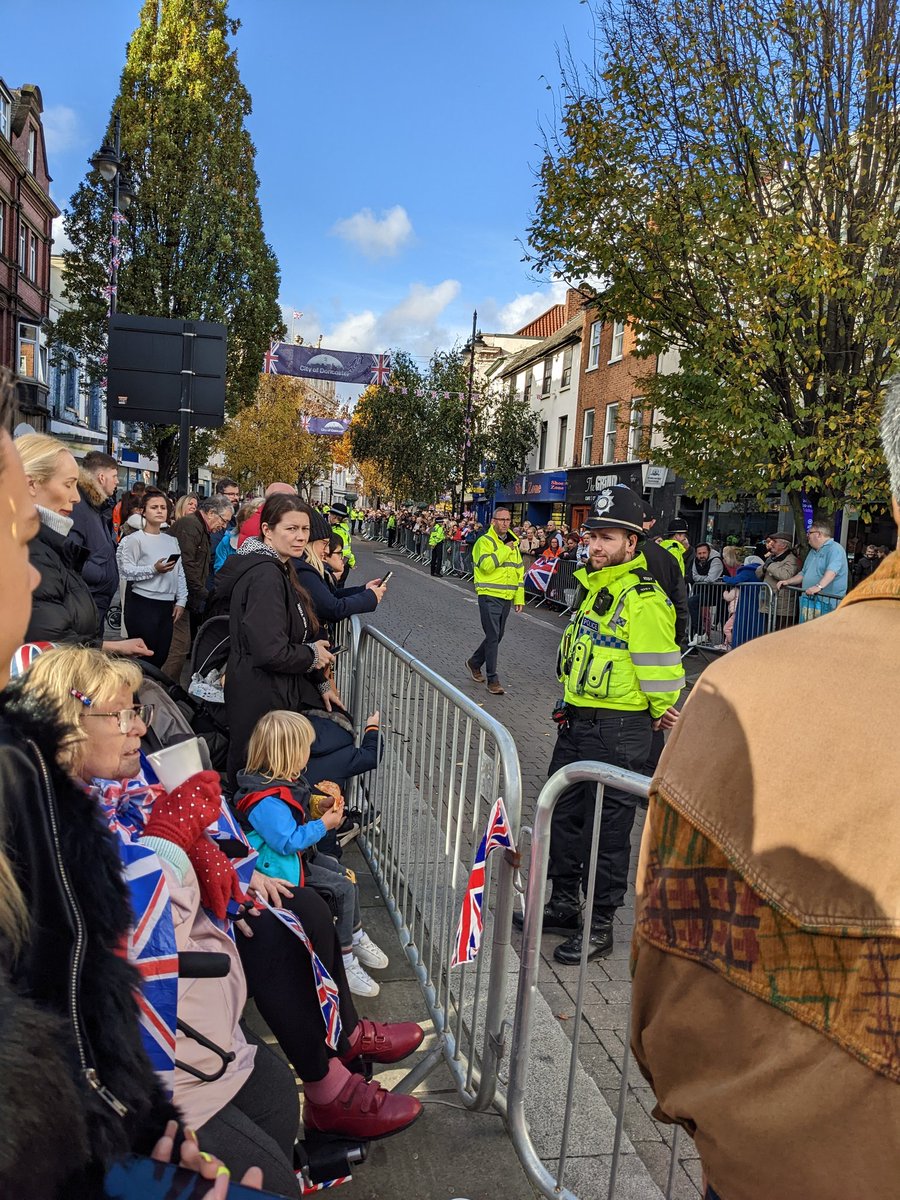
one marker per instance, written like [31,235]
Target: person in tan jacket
[766,955]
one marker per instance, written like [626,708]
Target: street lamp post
[108,161]
[467,423]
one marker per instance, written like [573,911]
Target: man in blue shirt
[824,573]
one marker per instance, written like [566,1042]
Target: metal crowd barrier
[807,608]
[346,634]
[725,614]
[425,810]
[561,589]
[550,1184]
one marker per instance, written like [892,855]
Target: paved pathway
[437,621]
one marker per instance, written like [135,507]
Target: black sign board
[586,483]
[149,360]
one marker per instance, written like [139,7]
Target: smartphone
[386,578]
[338,649]
[173,558]
[143,1179]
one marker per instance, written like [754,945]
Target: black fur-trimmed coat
[58,1133]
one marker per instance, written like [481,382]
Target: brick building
[26,224]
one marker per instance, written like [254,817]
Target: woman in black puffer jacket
[332,604]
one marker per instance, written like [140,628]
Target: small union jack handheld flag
[471,920]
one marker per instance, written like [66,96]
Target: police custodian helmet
[617,507]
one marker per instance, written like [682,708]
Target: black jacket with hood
[92,529]
[270,660]
[67,998]
[333,604]
[664,568]
[63,609]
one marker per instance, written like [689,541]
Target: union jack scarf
[151,940]
[471,919]
[326,988]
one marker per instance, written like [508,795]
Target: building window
[23,246]
[2,228]
[594,346]
[542,447]
[511,390]
[618,341]
[32,258]
[636,428]
[610,433]
[71,390]
[32,356]
[566,368]
[548,375]
[4,114]
[30,151]
[563,435]
[529,385]
[587,438]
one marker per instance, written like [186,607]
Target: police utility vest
[676,549]
[344,534]
[436,536]
[618,650]
[498,567]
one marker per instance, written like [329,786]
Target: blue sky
[397,144]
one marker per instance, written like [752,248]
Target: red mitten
[182,815]
[217,877]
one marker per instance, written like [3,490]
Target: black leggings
[258,1127]
[152,621]
[280,979]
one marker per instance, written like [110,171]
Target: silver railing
[552,1184]
[725,614]
[424,813]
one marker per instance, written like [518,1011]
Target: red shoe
[385,1043]
[362,1110]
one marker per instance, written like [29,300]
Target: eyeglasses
[128,717]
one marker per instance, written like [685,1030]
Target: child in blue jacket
[285,819]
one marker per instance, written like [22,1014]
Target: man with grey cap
[780,563]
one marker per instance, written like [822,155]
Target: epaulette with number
[647,581]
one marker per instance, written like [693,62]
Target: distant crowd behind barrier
[734,592]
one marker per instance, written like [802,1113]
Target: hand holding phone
[386,578]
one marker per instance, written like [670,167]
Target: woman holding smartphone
[150,562]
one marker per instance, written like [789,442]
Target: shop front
[589,487]
[538,497]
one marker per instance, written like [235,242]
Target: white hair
[890,432]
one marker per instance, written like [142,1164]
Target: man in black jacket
[92,528]
[193,533]
[665,570]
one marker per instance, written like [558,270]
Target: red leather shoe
[385,1043]
[362,1110]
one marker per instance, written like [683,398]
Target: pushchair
[179,715]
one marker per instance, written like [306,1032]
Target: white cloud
[61,242]
[413,324]
[62,129]
[525,307]
[376,237]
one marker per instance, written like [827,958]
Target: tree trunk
[167,457]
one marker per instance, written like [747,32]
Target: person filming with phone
[156,593]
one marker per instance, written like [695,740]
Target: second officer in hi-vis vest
[621,670]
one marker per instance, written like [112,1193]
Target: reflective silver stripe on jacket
[661,685]
[489,554]
[498,587]
[670,659]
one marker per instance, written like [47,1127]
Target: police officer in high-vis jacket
[621,670]
[339,520]
[677,541]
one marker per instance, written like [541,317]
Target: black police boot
[562,914]
[600,943]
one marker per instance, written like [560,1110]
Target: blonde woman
[331,603]
[186,505]
[63,607]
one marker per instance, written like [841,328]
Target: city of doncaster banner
[312,362]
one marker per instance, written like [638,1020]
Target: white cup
[175,764]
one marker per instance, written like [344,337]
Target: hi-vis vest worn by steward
[498,567]
[619,650]
[676,549]
[436,536]
[343,533]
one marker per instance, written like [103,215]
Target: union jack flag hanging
[326,988]
[471,919]
[381,369]
[270,359]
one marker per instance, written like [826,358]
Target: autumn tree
[266,440]
[193,245]
[413,429]
[731,172]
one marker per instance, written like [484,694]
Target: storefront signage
[538,486]
[656,477]
[586,483]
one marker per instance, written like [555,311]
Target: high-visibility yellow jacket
[676,549]
[436,536]
[343,533]
[498,567]
[619,650]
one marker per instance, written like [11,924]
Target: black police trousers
[623,740]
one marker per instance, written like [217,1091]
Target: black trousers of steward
[623,740]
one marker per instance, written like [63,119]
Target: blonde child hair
[279,745]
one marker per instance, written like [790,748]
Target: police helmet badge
[602,503]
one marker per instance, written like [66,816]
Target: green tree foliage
[731,172]
[193,245]
[414,429]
